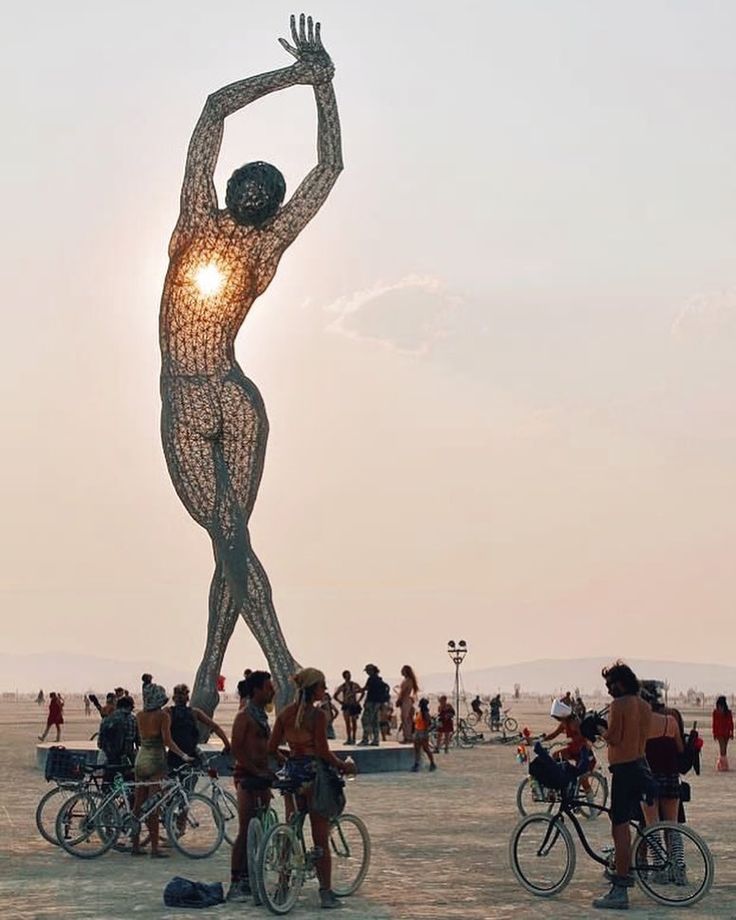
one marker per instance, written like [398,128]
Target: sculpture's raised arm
[313,67]
[198,195]
[314,189]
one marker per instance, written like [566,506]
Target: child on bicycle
[569,724]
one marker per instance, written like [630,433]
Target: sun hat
[308,677]
[560,710]
[155,698]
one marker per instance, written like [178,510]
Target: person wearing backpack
[118,737]
[377,692]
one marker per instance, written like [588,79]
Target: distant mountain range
[549,675]
[76,673]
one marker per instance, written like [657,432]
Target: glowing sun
[209,279]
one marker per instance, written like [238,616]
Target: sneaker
[432,767]
[239,891]
[679,876]
[375,743]
[415,768]
[363,742]
[616,899]
[328,900]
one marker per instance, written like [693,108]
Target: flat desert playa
[440,842]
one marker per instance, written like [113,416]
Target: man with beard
[626,737]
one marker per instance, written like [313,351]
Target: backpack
[385,692]
[111,738]
[181,892]
[689,759]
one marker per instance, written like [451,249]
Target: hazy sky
[498,365]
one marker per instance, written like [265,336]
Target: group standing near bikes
[647,749]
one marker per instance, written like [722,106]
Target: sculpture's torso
[197,328]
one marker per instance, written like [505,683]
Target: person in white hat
[569,725]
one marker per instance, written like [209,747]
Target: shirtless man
[249,746]
[626,736]
[213,421]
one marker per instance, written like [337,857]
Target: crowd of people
[645,742]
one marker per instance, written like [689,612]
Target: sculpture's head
[254,193]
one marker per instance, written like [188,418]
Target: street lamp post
[457,652]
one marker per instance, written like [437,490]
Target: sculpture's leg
[260,615]
[258,612]
[223,615]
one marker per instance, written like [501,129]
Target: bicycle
[225,802]
[259,827]
[89,825]
[671,863]
[532,797]
[88,777]
[285,862]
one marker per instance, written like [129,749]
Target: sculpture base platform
[389,756]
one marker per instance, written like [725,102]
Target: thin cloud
[707,316]
[407,317]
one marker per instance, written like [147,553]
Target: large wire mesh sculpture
[214,425]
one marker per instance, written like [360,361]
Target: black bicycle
[671,863]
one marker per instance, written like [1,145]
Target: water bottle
[349,777]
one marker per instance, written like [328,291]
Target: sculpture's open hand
[313,62]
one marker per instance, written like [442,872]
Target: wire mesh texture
[214,426]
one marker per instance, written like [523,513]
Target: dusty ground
[439,844]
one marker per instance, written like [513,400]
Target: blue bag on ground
[181,892]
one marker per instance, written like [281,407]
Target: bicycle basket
[548,773]
[63,764]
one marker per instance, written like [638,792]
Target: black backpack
[111,738]
[385,692]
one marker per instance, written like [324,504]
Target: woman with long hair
[408,692]
[722,731]
[303,725]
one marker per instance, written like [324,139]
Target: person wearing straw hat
[303,725]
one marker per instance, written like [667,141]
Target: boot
[616,899]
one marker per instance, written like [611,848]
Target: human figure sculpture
[214,426]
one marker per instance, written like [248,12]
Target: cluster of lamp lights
[209,279]
[457,650]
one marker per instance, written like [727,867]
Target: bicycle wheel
[510,725]
[48,809]
[672,864]
[253,844]
[194,826]
[227,805]
[86,826]
[350,847]
[532,799]
[542,855]
[596,794]
[280,869]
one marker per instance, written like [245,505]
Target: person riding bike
[569,724]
